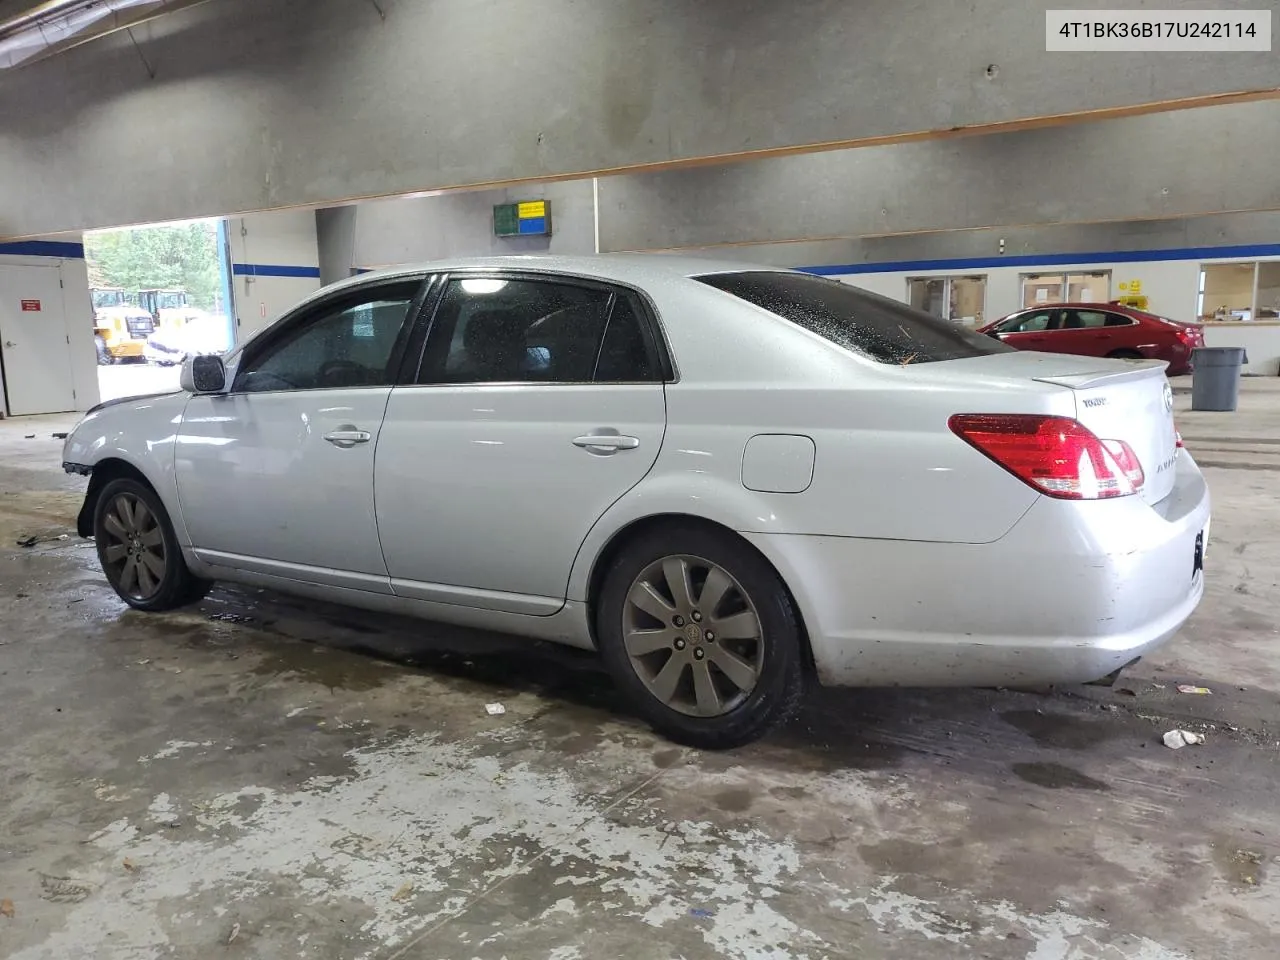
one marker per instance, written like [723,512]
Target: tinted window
[489,330]
[1084,319]
[1119,320]
[347,343]
[1028,322]
[868,324]
[625,354]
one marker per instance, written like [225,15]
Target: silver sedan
[726,479]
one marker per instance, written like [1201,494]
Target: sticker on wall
[30,306]
[1131,286]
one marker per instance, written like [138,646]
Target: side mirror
[203,374]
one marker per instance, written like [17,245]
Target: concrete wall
[247,105]
[67,252]
[1191,163]
[461,225]
[274,263]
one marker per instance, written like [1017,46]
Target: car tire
[707,705]
[104,355]
[139,551]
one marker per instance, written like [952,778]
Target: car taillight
[1058,456]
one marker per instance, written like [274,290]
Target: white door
[539,403]
[33,341]
[276,476]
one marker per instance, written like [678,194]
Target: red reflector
[1058,456]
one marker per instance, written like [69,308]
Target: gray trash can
[1215,377]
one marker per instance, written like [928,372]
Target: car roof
[637,269]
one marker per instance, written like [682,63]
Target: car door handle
[348,438]
[607,441]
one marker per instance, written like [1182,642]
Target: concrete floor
[256,777]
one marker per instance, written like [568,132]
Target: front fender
[138,437]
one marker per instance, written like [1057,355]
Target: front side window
[349,342]
[1027,322]
[867,324]
[492,330]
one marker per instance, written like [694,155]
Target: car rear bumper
[1177,356]
[1072,593]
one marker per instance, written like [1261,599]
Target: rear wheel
[701,633]
[139,551]
[104,355]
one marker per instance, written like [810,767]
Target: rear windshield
[866,323]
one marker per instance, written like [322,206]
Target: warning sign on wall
[31,306]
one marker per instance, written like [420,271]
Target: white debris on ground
[405,848]
[173,748]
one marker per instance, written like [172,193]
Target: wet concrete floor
[262,777]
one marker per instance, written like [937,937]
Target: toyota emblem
[1168,397]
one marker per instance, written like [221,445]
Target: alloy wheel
[693,636]
[134,553]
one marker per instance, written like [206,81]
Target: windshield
[870,325]
[107,298]
[171,300]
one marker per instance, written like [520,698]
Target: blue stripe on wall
[43,248]
[273,270]
[1242,251]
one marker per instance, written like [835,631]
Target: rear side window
[873,326]
[495,330]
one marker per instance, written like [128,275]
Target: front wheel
[703,636]
[139,551]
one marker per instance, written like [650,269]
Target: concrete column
[336,242]
[275,262]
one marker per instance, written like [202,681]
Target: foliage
[182,257]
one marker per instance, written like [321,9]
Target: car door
[538,403]
[1029,330]
[276,475]
[1090,333]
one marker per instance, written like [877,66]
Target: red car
[1100,330]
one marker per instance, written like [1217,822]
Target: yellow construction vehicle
[120,329]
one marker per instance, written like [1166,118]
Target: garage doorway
[160,294]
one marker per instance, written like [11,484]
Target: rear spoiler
[1134,370]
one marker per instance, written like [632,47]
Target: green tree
[181,257]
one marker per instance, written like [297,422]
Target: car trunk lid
[1132,402]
